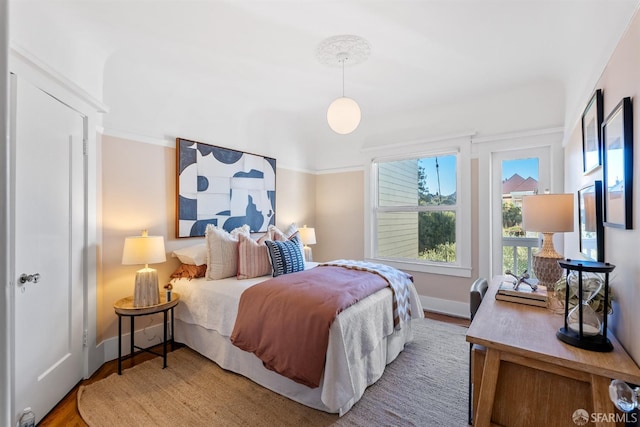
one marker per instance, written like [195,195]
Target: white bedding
[362,341]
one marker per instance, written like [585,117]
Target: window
[417,216]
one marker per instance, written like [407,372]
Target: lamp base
[546,270]
[308,256]
[146,291]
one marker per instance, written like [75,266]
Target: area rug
[425,386]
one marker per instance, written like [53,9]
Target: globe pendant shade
[343,115]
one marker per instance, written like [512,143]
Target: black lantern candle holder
[577,330]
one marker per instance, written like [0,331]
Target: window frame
[461,148]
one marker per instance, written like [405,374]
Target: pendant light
[343,114]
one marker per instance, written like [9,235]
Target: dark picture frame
[224,187]
[590,221]
[592,119]
[617,137]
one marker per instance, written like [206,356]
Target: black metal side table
[124,308]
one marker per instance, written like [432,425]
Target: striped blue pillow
[286,257]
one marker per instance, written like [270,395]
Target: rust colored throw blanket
[285,321]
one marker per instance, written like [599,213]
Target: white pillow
[292,231]
[222,251]
[192,255]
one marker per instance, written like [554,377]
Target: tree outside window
[417,209]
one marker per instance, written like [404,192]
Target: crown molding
[517,135]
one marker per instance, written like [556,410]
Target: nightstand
[124,308]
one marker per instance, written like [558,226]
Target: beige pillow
[222,251]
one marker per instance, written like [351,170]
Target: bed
[362,340]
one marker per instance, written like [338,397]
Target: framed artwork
[223,187]
[617,136]
[590,221]
[592,133]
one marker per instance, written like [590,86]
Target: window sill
[443,269]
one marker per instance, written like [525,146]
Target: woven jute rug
[425,386]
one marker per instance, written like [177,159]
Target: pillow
[286,257]
[291,231]
[253,257]
[222,251]
[189,271]
[288,234]
[194,255]
[275,234]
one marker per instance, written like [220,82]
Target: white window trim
[461,145]
[485,149]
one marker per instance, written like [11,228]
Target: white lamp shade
[307,235]
[143,250]
[547,213]
[343,115]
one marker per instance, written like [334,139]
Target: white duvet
[362,341]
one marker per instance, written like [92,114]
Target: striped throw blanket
[398,281]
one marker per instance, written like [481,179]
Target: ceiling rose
[331,50]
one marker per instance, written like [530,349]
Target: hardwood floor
[66,414]
[448,319]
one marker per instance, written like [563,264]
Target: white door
[514,252]
[48,240]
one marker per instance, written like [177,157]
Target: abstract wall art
[223,187]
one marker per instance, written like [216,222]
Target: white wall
[53,33]
[5,368]
[529,107]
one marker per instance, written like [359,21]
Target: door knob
[24,278]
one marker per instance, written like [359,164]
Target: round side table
[124,308]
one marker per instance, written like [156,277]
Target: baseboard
[145,337]
[445,306]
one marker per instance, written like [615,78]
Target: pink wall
[138,190]
[618,80]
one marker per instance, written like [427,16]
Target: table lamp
[308,237]
[547,214]
[145,250]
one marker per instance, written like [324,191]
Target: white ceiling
[244,73]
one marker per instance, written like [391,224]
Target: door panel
[48,240]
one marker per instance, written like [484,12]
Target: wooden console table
[525,376]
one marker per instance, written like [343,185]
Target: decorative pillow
[222,251]
[189,271]
[286,257]
[276,235]
[288,234]
[291,231]
[193,255]
[253,257]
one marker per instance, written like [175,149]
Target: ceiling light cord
[343,114]
[342,60]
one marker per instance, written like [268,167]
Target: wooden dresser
[524,376]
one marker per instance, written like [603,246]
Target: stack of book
[523,295]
